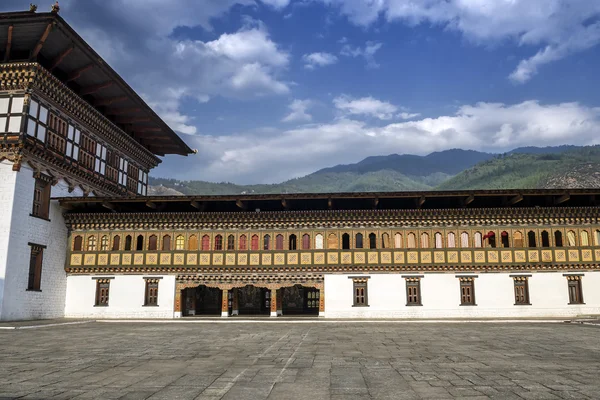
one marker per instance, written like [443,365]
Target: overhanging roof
[47,39]
[337,201]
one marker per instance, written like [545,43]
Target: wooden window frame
[151,286]
[413,291]
[467,283]
[36,261]
[360,291]
[41,198]
[359,241]
[102,292]
[575,289]
[231,242]
[521,290]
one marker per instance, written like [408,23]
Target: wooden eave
[47,39]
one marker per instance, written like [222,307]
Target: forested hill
[527,167]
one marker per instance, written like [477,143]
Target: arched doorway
[252,300]
[202,300]
[300,300]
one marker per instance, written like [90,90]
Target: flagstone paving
[301,361]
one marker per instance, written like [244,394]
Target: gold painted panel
[398,257]
[230,259]
[279,259]
[586,255]
[151,258]
[165,259]
[102,259]
[89,259]
[386,257]
[507,257]
[479,256]
[413,257]
[204,259]
[453,256]
[533,255]
[320,258]
[597,255]
[218,259]
[267,259]
[138,259]
[372,257]
[76,259]
[493,257]
[426,257]
[547,255]
[305,258]
[332,258]
[126,259]
[573,255]
[179,259]
[242,259]
[465,257]
[292,258]
[439,257]
[192,259]
[254,259]
[560,255]
[520,256]
[346,258]
[115,259]
[359,258]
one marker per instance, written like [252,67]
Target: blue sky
[268,90]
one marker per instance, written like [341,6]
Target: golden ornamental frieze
[335,219]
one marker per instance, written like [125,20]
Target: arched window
[558,242]
[128,240]
[243,244]
[179,242]
[152,242]
[505,239]
[116,246]
[267,242]
[193,242]
[398,240]
[218,242]
[585,239]
[77,243]
[531,242]
[230,242]
[545,239]
[451,240]
[306,241]
[139,244]
[478,239]
[385,241]
[439,242]
[104,243]
[345,241]
[518,237]
[411,241]
[166,243]
[372,241]
[332,241]
[293,242]
[254,242]
[318,241]
[571,238]
[359,241]
[424,240]
[205,243]
[279,242]
[597,237]
[91,245]
[464,240]
[491,237]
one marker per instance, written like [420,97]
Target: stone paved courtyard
[367,360]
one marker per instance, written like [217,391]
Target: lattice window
[35,267]
[166,243]
[424,240]
[478,239]
[36,123]
[467,291]
[193,243]
[243,244]
[142,186]
[439,241]
[104,243]
[464,240]
[521,284]
[218,242]
[11,114]
[451,240]
[306,241]
[279,242]
[358,241]
[41,198]
[73,139]
[78,243]
[179,242]
[360,288]
[88,151]
[91,246]
[575,290]
[100,162]
[518,237]
[152,242]
[205,243]
[398,241]
[412,241]
[151,297]
[132,178]
[102,292]
[319,241]
[584,238]
[413,291]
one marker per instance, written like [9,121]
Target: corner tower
[69,126]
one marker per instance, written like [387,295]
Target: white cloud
[367,52]
[368,106]
[298,111]
[407,115]
[560,27]
[313,60]
[296,152]
[279,4]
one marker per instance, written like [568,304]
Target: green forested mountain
[528,167]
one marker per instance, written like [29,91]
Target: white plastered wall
[440,294]
[19,229]
[126,297]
